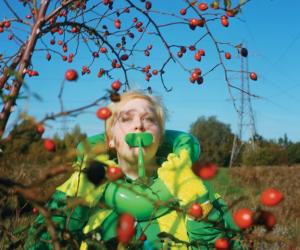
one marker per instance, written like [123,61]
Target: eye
[149,119]
[125,118]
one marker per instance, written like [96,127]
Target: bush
[293,151]
[264,154]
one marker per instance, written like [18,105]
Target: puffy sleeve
[175,141]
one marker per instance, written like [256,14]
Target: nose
[139,125]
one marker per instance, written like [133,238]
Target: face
[136,115]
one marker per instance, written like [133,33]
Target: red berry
[103,113]
[147,53]
[182,49]
[28,16]
[227,55]
[203,6]
[114,173]
[48,57]
[35,210]
[52,41]
[182,12]
[125,228]
[103,50]
[148,5]
[243,218]
[201,52]
[116,85]
[201,22]
[34,73]
[224,21]
[101,72]
[192,48]
[253,76]
[231,13]
[117,23]
[195,211]
[71,75]
[74,30]
[267,219]
[205,172]
[179,54]
[200,80]
[143,237]
[221,244]
[40,129]
[154,72]
[197,57]
[194,76]
[6,24]
[198,71]
[65,48]
[95,54]
[124,57]
[194,22]
[49,145]
[192,80]
[271,197]
[107,2]
[138,25]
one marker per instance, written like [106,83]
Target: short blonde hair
[159,109]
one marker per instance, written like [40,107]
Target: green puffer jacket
[158,208]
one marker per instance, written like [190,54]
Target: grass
[231,184]
[249,182]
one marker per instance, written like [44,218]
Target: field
[240,187]
[246,184]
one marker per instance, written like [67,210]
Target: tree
[215,139]
[284,141]
[114,34]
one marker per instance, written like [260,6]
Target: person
[157,187]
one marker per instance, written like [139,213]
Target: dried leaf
[227,4]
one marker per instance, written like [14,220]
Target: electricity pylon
[245,114]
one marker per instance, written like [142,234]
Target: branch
[12,10]
[72,111]
[155,26]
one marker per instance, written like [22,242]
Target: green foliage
[215,139]
[263,154]
[26,145]
[293,151]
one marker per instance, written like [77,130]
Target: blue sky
[269,29]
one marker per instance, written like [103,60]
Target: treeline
[216,139]
[25,145]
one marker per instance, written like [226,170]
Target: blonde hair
[158,106]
